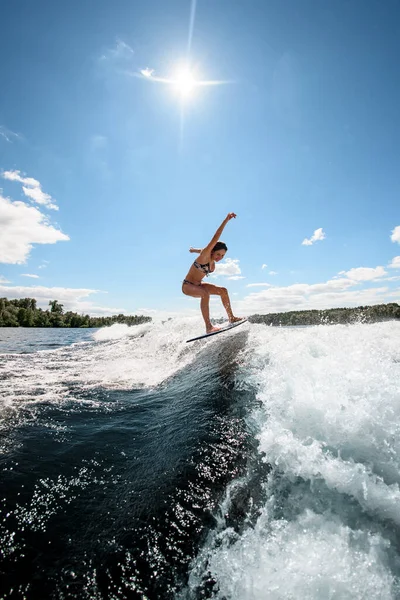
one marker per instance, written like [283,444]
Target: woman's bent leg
[223,293]
[205,311]
[199,291]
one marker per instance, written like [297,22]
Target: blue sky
[109,173]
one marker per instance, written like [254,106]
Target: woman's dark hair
[220,246]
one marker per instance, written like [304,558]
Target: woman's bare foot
[236,319]
[212,329]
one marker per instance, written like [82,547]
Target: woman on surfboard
[193,285]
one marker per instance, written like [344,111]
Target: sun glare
[184,82]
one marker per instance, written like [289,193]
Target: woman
[193,285]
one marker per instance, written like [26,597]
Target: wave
[282,443]
[329,427]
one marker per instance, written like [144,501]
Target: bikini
[204,268]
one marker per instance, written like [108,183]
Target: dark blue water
[20,340]
[109,493]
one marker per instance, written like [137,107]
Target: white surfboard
[226,328]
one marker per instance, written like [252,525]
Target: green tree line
[364,314]
[24,313]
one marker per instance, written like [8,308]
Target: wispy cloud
[264,266]
[16,176]
[38,196]
[183,79]
[8,135]
[395,237]
[31,188]
[44,264]
[120,59]
[30,275]
[120,51]
[317,236]
[3,279]
[395,264]
[146,72]
[264,284]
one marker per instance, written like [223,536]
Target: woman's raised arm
[219,231]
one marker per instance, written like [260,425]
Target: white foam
[332,398]
[330,428]
[121,357]
[311,557]
[119,331]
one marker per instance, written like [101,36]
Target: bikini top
[205,268]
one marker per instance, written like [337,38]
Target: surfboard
[226,328]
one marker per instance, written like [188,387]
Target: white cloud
[272,273]
[22,226]
[31,188]
[264,266]
[3,279]
[236,277]
[148,311]
[395,264]
[365,273]
[303,296]
[229,268]
[89,308]
[15,176]
[395,237]
[147,72]
[318,235]
[345,289]
[43,294]
[71,298]
[44,264]
[30,275]
[39,196]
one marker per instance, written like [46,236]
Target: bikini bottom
[191,282]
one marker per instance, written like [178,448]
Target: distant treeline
[363,314]
[24,313]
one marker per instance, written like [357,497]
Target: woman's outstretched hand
[230,216]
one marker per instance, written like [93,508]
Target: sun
[184,82]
